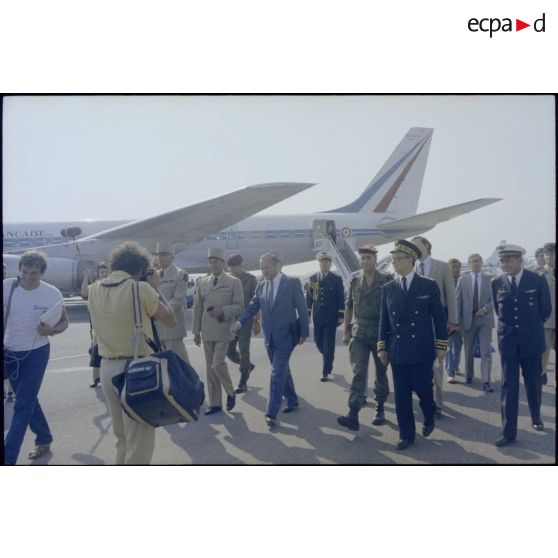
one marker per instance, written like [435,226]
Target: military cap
[549,247]
[510,250]
[323,256]
[367,249]
[164,248]
[407,248]
[216,253]
[234,259]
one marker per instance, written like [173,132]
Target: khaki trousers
[135,442]
[550,340]
[438,384]
[178,347]
[217,371]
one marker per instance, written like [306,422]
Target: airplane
[385,211]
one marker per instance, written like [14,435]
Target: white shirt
[409,278]
[25,315]
[517,277]
[427,265]
[276,281]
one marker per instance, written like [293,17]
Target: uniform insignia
[423,297]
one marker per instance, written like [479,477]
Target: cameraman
[112,316]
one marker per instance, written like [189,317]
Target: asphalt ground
[81,424]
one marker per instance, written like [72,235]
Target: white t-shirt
[25,314]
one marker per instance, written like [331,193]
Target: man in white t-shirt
[33,310]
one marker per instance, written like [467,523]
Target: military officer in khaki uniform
[173,285]
[244,335]
[219,299]
[362,319]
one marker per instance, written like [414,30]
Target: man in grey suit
[441,273]
[474,308]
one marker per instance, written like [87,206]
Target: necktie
[270,293]
[404,282]
[421,268]
[514,286]
[476,294]
[162,273]
[214,281]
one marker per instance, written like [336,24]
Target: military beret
[234,259]
[407,248]
[218,253]
[549,247]
[510,250]
[323,256]
[165,248]
[367,249]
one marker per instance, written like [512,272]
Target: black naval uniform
[412,326]
[522,310]
[325,299]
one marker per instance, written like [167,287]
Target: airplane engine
[64,273]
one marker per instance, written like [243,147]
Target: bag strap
[15,284]
[155,345]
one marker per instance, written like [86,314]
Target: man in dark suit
[325,299]
[281,301]
[522,303]
[413,333]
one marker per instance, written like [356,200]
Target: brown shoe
[39,451]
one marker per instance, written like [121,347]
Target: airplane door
[232,238]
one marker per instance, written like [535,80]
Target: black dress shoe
[503,441]
[270,421]
[95,382]
[323,379]
[427,429]
[231,402]
[349,422]
[290,408]
[241,388]
[487,387]
[538,426]
[402,444]
[212,410]
[468,380]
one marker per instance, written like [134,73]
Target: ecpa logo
[492,25]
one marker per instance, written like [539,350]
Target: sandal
[39,451]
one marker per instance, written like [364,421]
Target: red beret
[234,259]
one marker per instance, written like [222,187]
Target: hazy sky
[68,158]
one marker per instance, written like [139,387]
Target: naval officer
[413,333]
[522,303]
[325,299]
[173,286]
[218,301]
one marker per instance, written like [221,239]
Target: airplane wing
[195,222]
[429,219]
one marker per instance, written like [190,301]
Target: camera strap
[15,284]
[155,345]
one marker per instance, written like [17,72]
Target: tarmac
[82,429]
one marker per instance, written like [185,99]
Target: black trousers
[324,337]
[406,379]
[531,370]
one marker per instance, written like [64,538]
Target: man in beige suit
[441,273]
[549,271]
[219,299]
[173,285]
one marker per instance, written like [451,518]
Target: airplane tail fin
[494,258]
[396,187]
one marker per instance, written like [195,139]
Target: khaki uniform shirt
[365,301]
[227,294]
[173,286]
